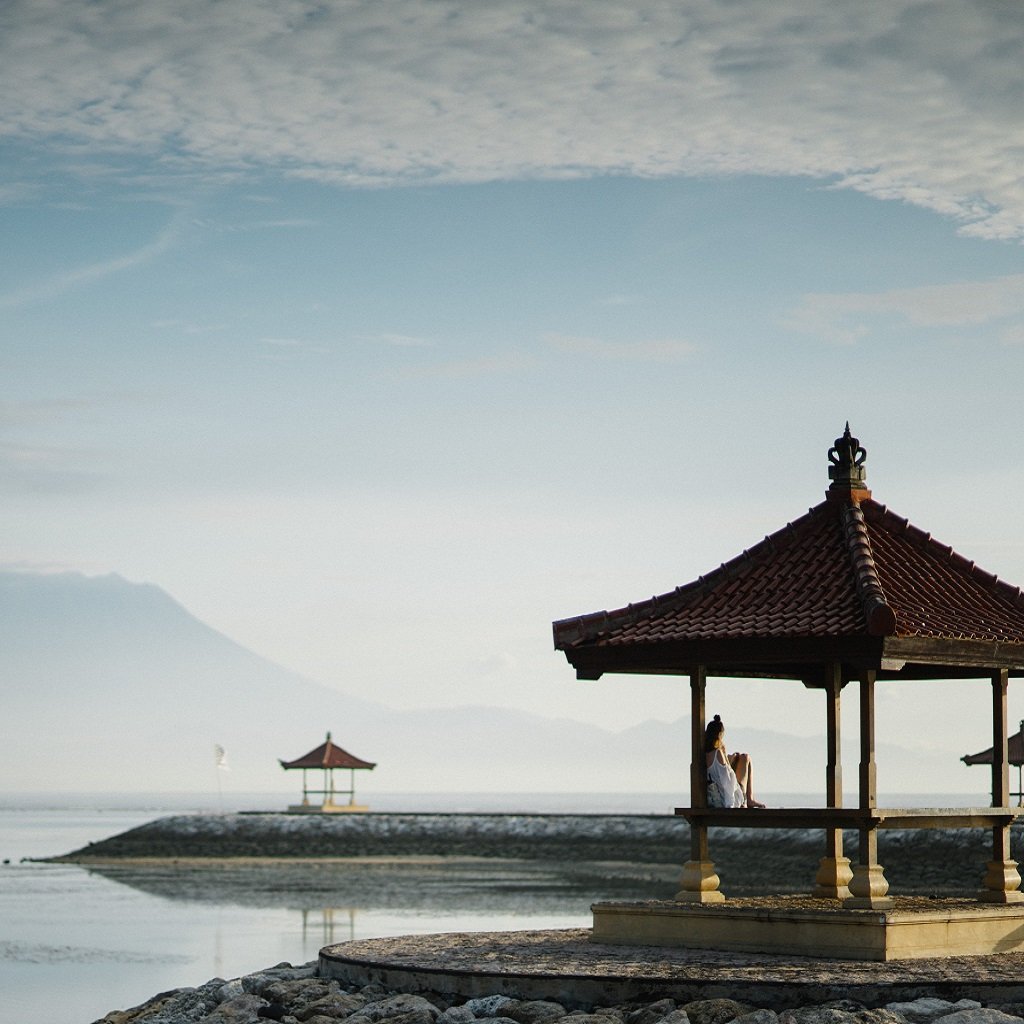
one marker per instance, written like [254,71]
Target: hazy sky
[380,334]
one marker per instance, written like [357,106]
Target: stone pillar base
[832,882]
[699,883]
[1002,883]
[868,889]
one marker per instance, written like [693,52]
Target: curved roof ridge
[880,618]
[991,582]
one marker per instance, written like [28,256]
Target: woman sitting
[730,776]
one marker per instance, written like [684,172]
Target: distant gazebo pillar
[326,758]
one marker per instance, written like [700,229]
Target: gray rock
[590,1018]
[180,1006]
[294,993]
[715,1011]
[456,1015]
[653,1012]
[335,1004]
[536,1011]
[614,1013]
[882,1015]
[491,1006]
[758,1017]
[258,980]
[921,1011]
[817,1015]
[401,1009]
[980,1015]
[240,1010]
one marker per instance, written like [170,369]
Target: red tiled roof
[845,569]
[1015,751]
[328,755]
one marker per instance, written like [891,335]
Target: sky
[381,334]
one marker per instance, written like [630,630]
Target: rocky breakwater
[749,861]
[297,995]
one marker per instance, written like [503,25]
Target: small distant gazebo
[1014,754]
[326,758]
[849,592]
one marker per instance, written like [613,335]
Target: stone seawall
[924,862]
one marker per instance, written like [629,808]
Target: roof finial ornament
[847,471]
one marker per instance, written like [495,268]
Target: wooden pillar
[1002,880]
[834,874]
[868,887]
[699,881]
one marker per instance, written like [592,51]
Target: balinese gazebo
[848,592]
[327,758]
[1014,756]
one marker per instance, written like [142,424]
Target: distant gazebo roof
[849,581]
[328,755]
[326,758]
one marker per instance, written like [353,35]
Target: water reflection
[414,884]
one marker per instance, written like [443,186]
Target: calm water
[76,943]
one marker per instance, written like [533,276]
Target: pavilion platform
[574,968]
[914,928]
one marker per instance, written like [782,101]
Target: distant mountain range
[111,686]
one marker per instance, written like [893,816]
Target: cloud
[840,317]
[669,350]
[918,102]
[87,273]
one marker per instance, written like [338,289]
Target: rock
[881,1015]
[615,1013]
[536,1011]
[490,1006]
[980,1015]
[258,980]
[653,1012]
[400,1009]
[335,1004]
[817,1015]
[243,1009]
[230,990]
[758,1017]
[456,1015]
[296,995]
[714,1011]
[590,1018]
[179,1006]
[921,1011]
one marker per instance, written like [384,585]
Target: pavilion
[1014,755]
[326,758]
[848,592]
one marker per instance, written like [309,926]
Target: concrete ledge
[569,967]
[915,928]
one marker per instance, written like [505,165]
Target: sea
[76,943]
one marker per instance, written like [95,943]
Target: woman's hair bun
[717,718]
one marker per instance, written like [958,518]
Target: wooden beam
[868,777]
[698,762]
[1000,756]
[833,760]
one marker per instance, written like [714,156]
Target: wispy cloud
[59,283]
[918,102]
[842,317]
[664,350]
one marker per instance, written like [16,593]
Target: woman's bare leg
[744,769]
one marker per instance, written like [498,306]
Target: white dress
[724,789]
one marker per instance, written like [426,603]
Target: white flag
[220,757]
